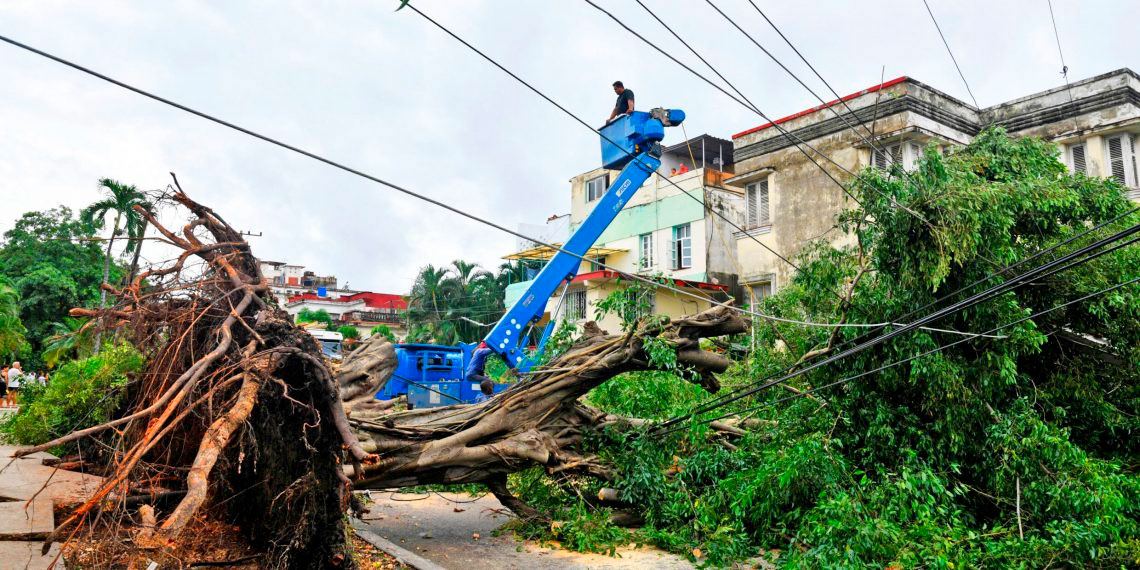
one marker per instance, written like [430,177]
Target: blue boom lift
[433,375]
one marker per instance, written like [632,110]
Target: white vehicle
[330,342]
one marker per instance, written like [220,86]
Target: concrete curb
[400,553]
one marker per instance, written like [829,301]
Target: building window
[597,263]
[757,292]
[645,251]
[1121,159]
[905,153]
[596,186]
[576,305]
[1077,162]
[758,204]
[682,250]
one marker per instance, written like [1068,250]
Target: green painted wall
[515,291]
[637,220]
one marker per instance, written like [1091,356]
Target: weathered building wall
[665,302]
[803,201]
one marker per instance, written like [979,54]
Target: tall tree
[11,328]
[50,260]
[121,200]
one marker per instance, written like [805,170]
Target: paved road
[431,528]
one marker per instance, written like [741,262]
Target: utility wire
[393,186]
[864,336]
[798,142]
[596,131]
[1011,267]
[810,391]
[830,107]
[949,51]
[774,379]
[1057,35]
[1043,271]
[838,98]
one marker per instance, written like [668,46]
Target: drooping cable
[578,119]
[1068,261]
[393,186]
[847,379]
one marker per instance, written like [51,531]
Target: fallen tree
[539,421]
[237,422]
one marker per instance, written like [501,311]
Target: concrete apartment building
[296,289]
[660,231]
[790,202]
[287,280]
[362,310]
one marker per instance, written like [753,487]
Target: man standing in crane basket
[624,101]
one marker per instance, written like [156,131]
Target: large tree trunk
[538,422]
[239,416]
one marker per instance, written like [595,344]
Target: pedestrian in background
[15,380]
[4,387]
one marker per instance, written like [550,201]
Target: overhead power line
[578,119]
[401,189]
[1064,66]
[1065,262]
[951,52]
[830,107]
[847,379]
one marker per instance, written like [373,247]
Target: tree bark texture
[538,422]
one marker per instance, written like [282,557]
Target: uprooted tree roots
[235,415]
[237,420]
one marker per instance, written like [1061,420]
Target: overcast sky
[389,94]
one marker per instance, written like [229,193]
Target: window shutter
[1077,158]
[915,151]
[763,207]
[1130,162]
[753,219]
[1116,159]
[879,159]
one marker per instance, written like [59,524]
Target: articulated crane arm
[632,141]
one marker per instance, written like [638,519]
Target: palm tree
[68,336]
[11,328]
[121,200]
[511,273]
[466,273]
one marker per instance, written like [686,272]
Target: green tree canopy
[447,304]
[11,327]
[307,315]
[50,260]
[1014,451]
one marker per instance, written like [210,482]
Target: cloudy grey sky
[389,94]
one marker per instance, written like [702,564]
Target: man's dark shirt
[623,100]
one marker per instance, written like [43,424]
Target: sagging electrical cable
[908,315]
[683,191]
[1068,261]
[847,379]
[417,195]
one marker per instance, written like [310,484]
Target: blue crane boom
[433,375]
[632,141]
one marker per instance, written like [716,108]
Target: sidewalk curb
[400,553]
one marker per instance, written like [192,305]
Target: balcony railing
[374,317]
